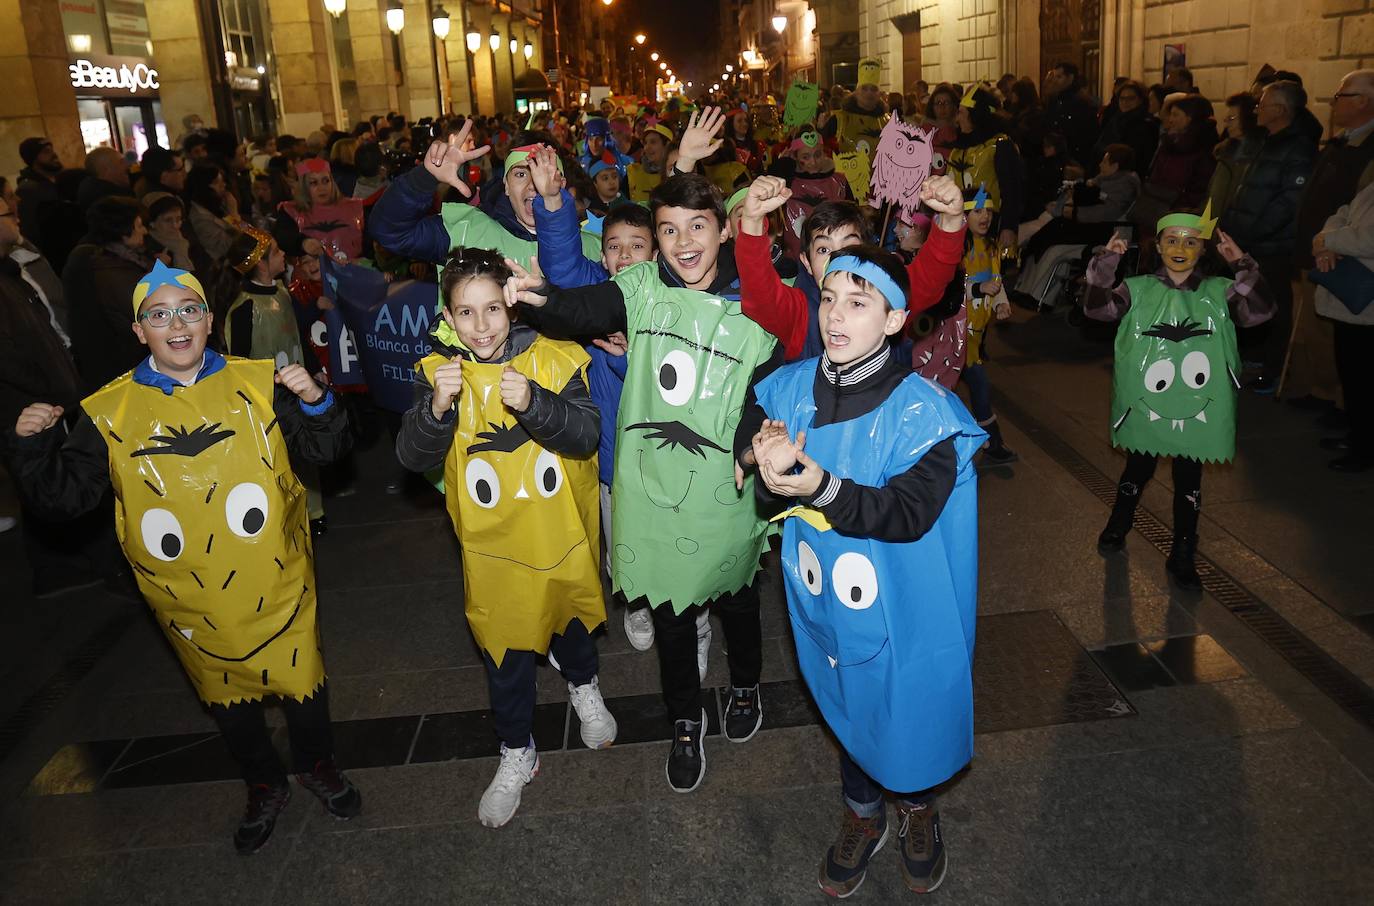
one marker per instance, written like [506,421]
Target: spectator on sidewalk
[211,209]
[1070,111]
[40,201]
[107,174]
[1180,79]
[1234,153]
[160,171]
[1344,168]
[1263,215]
[1132,125]
[1182,167]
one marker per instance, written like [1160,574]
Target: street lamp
[779,24]
[395,17]
[529,50]
[729,67]
[335,8]
[474,40]
[662,65]
[514,45]
[654,56]
[495,39]
[441,23]
[641,38]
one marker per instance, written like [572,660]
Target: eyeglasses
[162,317]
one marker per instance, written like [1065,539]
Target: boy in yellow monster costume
[213,521]
[506,412]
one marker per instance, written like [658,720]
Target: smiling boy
[1176,373]
[873,465]
[211,516]
[685,536]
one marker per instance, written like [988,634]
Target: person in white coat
[1349,233]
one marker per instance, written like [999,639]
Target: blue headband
[873,274]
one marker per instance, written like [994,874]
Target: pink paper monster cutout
[901,163]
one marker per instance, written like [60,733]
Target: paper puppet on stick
[870,69]
[856,168]
[802,100]
[901,165]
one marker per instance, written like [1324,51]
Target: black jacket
[1335,181]
[907,506]
[1263,216]
[1138,129]
[92,190]
[35,366]
[62,476]
[564,421]
[46,219]
[1073,115]
[99,288]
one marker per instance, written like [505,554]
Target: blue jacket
[562,261]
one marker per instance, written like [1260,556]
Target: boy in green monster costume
[1175,381]
[686,529]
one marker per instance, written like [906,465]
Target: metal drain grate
[58,686]
[1318,667]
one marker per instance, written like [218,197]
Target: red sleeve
[933,267]
[766,300]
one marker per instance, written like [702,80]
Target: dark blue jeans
[979,392]
[512,685]
[864,796]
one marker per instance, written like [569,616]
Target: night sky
[684,33]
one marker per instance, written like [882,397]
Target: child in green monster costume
[687,531]
[1175,381]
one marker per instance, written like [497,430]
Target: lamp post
[395,17]
[442,25]
[335,8]
[780,26]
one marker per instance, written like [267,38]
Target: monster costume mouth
[1175,422]
[691,476]
[187,634]
[539,569]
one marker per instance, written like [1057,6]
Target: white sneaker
[598,726]
[639,628]
[517,768]
[703,642]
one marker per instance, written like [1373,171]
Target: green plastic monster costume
[1174,383]
[684,534]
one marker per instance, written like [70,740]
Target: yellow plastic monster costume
[213,521]
[527,518]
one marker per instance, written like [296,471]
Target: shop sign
[244,78]
[552,76]
[109,76]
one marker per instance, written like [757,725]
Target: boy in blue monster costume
[879,558]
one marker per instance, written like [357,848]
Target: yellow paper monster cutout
[213,521]
[528,519]
[857,170]
[870,70]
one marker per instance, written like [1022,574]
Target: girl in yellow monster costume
[986,298]
[212,519]
[506,412]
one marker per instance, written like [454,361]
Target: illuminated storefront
[113,74]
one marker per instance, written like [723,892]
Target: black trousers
[1140,468]
[512,685]
[676,637]
[1278,275]
[1355,366]
[245,732]
[72,549]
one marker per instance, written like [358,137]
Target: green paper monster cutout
[683,533]
[1174,383]
[802,100]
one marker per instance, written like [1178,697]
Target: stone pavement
[1134,744]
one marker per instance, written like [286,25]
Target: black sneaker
[340,797]
[921,847]
[265,804]
[744,716]
[846,862]
[1001,455]
[687,759]
[1181,565]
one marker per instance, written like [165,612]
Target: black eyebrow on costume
[1177,333]
[689,343]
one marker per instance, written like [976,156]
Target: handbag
[1349,281]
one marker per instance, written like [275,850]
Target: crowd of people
[663,330]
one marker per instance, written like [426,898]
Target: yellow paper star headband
[162,275]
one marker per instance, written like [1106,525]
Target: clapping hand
[446,159]
[774,453]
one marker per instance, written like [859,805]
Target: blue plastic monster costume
[885,631]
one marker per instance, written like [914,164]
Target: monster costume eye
[856,582]
[1159,376]
[483,485]
[677,378]
[245,509]
[162,535]
[1197,369]
[548,474]
[809,565]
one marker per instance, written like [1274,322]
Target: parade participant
[812,179]
[323,213]
[1176,375]
[401,220]
[985,298]
[600,146]
[210,514]
[685,536]
[879,561]
[605,188]
[507,414]
[984,157]
[859,121]
[645,174]
[789,313]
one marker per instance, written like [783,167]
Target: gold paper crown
[264,242]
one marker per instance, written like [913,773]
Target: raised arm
[1103,301]
[401,220]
